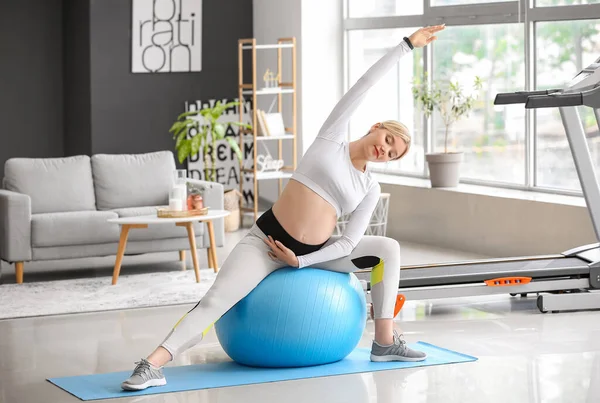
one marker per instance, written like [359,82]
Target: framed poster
[166,36]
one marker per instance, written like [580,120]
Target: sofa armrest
[15,226]
[213,197]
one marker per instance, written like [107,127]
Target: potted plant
[448,98]
[208,132]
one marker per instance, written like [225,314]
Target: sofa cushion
[132,180]
[53,184]
[73,228]
[156,231]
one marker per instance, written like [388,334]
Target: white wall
[322,63]
[317,26]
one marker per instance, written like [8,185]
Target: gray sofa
[57,208]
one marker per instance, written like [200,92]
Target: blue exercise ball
[295,318]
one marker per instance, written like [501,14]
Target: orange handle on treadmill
[507,281]
[399,304]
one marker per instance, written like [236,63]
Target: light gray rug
[97,294]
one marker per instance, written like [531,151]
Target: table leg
[209,257]
[121,251]
[213,247]
[192,238]
[182,258]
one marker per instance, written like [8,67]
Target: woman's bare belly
[305,215]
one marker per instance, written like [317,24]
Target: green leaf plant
[208,132]
[445,97]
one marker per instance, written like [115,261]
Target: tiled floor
[523,356]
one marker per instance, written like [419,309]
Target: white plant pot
[444,169]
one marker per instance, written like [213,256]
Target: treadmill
[564,282]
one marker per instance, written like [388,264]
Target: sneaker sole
[147,384]
[388,358]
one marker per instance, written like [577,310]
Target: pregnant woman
[331,180]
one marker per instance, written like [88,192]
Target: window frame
[524,12]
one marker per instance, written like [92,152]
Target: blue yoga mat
[218,375]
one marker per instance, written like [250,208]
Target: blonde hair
[399,130]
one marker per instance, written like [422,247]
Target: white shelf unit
[272,46]
[249,137]
[269,91]
[270,175]
[288,89]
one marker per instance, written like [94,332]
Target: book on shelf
[270,124]
[262,129]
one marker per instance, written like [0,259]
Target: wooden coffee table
[128,223]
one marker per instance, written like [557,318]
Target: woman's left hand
[424,36]
[280,252]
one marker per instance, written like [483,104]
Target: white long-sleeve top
[326,167]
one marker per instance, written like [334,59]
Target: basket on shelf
[232,204]
[166,213]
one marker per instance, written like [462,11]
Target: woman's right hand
[424,36]
[281,253]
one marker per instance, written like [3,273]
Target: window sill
[516,194]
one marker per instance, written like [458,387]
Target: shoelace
[399,341]
[143,370]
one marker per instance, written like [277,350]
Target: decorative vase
[444,168]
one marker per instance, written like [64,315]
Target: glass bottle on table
[175,203]
[180,187]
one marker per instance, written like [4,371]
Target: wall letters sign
[166,36]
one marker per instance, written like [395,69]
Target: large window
[382,8]
[562,50]
[492,138]
[511,46]
[552,3]
[457,2]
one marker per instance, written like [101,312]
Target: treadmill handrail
[554,100]
[589,97]
[519,97]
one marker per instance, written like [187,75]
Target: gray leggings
[248,264]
